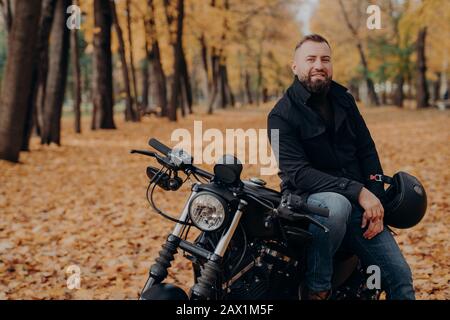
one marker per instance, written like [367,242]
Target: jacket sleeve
[367,152]
[294,164]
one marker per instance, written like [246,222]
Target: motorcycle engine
[270,276]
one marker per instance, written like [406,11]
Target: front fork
[205,286]
[158,271]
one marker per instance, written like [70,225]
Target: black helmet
[405,202]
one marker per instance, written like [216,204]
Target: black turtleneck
[321,104]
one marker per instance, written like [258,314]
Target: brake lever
[164,161]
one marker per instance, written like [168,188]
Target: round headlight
[207,211]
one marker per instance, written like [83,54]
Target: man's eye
[310,60]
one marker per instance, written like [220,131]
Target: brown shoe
[321,295]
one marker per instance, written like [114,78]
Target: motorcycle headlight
[207,211]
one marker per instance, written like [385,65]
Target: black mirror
[228,169]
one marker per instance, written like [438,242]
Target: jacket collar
[300,95]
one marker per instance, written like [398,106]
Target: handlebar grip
[144,152]
[320,211]
[161,147]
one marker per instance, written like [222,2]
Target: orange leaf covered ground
[84,204]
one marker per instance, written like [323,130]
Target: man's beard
[317,86]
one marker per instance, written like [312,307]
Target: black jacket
[311,160]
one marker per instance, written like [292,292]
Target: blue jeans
[344,223]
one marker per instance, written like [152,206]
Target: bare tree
[17,79]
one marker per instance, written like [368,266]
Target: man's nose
[318,64]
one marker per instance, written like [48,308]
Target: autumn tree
[373,98]
[103,115]
[131,54]
[57,75]
[130,112]
[422,94]
[175,15]
[154,55]
[6,8]
[35,105]
[17,78]
[75,48]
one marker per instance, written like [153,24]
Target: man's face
[312,64]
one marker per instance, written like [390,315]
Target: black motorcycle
[253,239]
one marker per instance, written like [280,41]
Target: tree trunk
[145,84]
[247,87]
[77,80]
[373,98]
[7,16]
[204,50]
[130,113]
[229,92]
[57,75]
[177,44]
[384,95]
[259,80]
[398,94]
[186,81]
[132,68]
[103,115]
[155,58]
[17,78]
[437,87]
[265,95]
[422,95]
[39,74]
[215,79]
[223,87]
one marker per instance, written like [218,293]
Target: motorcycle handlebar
[144,152]
[290,215]
[298,203]
[161,147]
[309,208]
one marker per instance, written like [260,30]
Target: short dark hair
[312,37]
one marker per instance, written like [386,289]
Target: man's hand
[373,213]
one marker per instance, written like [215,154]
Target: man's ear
[294,67]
